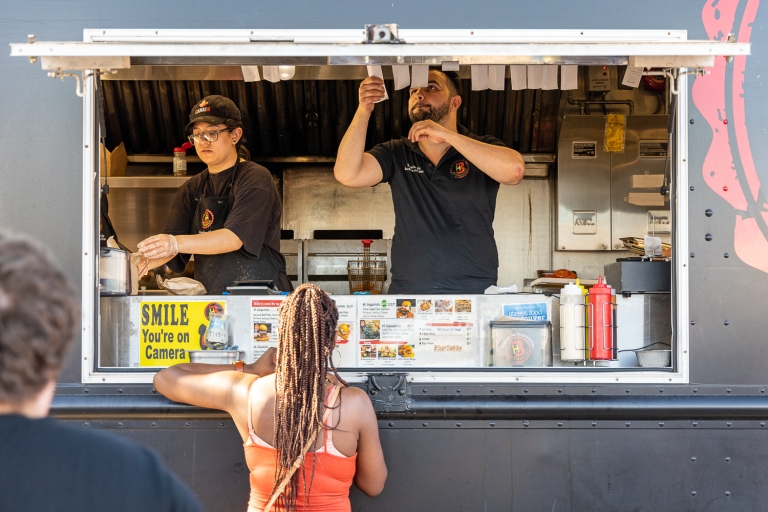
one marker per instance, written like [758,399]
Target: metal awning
[121,48]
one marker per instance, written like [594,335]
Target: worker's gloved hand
[159,247]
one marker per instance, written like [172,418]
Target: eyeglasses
[211,136]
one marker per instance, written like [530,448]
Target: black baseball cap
[213,109]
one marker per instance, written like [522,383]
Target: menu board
[266,324]
[416,331]
[264,315]
[345,354]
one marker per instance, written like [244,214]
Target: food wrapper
[652,246]
[181,286]
[137,271]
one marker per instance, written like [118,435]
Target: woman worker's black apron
[217,271]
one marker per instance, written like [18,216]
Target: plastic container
[217,334]
[114,272]
[654,358]
[521,344]
[572,323]
[180,159]
[600,322]
[216,356]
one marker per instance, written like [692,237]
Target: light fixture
[286,72]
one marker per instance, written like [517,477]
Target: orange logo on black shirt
[207,220]
[460,169]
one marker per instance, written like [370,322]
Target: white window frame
[341,47]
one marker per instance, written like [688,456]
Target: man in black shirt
[46,465]
[444,183]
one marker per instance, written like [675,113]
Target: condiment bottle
[614,307]
[584,294]
[600,322]
[180,159]
[572,323]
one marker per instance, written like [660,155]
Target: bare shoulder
[356,399]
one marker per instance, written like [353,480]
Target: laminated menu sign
[416,331]
[346,334]
[264,315]
[168,330]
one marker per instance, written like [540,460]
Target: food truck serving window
[619,147]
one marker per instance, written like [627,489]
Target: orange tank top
[329,491]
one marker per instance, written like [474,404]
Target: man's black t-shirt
[46,465]
[443,240]
[255,214]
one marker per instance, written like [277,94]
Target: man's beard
[435,114]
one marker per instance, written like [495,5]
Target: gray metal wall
[546,467]
[40,133]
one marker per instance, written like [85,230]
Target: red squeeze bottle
[600,322]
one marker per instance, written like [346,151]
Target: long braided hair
[306,341]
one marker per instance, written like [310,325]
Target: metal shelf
[145,181]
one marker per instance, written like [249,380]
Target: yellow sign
[615,132]
[170,329]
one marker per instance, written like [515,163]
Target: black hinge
[389,392]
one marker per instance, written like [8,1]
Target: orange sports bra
[333,472]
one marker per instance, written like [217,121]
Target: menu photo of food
[425,307]
[406,351]
[387,352]
[405,308]
[261,332]
[367,352]
[343,331]
[443,306]
[370,329]
[463,306]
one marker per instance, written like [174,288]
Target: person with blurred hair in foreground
[46,465]
[307,435]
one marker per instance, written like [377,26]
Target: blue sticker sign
[526,311]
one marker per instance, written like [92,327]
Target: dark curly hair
[454,82]
[38,318]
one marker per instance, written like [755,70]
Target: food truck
[647,393]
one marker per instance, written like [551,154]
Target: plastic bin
[521,344]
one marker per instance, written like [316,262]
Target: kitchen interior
[596,156]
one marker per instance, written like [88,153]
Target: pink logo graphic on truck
[729,168]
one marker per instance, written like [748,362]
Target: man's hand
[159,247]
[429,131]
[371,91]
[265,365]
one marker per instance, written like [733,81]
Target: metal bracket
[674,75]
[389,392]
[383,33]
[80,82]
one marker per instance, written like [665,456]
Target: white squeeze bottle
[572,325]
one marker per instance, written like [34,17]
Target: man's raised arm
[355,168]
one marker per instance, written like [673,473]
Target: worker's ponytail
[242,151]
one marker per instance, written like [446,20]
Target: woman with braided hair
[302,415]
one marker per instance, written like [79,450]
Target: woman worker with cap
[228,216]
